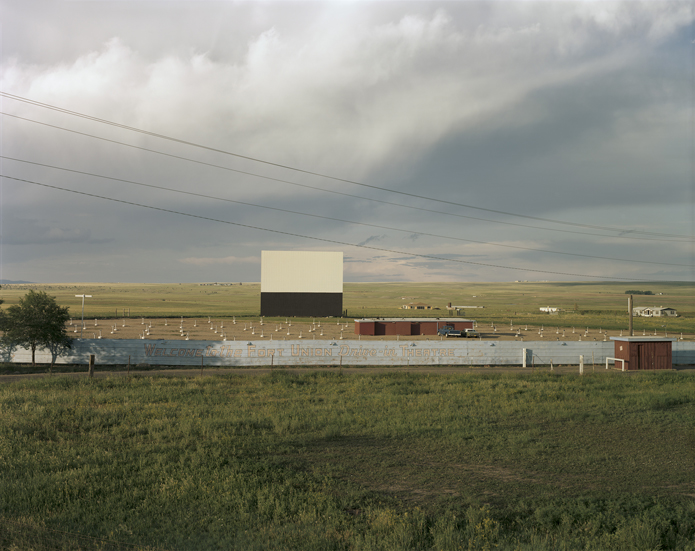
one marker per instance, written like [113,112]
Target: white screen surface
[301,272]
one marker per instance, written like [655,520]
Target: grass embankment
[326,461]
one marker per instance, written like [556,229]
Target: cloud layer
[562,111]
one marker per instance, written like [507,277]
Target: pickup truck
[449,331]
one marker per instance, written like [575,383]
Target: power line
[322,239]
[381,201]
[377,226]
[312,173]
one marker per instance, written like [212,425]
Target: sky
[173,141]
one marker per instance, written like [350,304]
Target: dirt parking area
[211,329]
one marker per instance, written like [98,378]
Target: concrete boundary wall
[334,353]
[683,353]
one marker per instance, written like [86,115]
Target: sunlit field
[593,305]
[330,461]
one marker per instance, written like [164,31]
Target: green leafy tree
[37,322]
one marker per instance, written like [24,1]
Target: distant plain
[597,306]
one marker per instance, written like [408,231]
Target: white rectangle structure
[301,283]
[301,272]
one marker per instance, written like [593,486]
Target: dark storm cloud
[372,239]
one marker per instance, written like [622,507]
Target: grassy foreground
[329,461]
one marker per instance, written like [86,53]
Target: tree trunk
[33,355]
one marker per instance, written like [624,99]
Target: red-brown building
[408,326]
[644,352]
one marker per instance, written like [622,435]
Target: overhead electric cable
[377,226]
[381,201]
[322,239]
[312,173]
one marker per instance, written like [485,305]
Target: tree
[6,348]
[37,322]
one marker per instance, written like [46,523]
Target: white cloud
[349,100]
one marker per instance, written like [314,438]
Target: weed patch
[330,461]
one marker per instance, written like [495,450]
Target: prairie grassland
[594,305]
[598,305]
[329,461]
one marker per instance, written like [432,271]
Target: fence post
[581,365]
[91,365]
[523,362]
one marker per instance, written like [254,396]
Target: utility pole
[82,297]
[629,309]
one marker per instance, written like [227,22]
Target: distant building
[452,307]
[655,312]
[409,326]
[549,309]
[417,306]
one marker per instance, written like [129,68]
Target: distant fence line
[338,352]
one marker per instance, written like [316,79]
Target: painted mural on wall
[299,351]
[334,353]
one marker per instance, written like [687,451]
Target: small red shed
[644,352]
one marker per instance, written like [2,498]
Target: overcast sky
[552,138]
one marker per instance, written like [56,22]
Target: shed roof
[644,339]
[415,320]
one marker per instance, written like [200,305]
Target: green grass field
[329,461]
[598,305]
